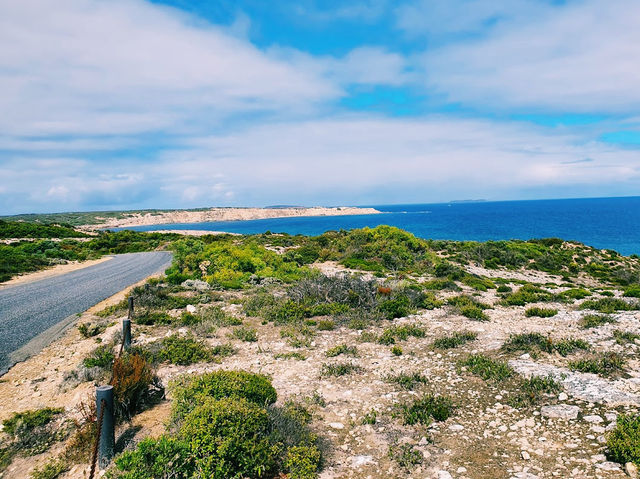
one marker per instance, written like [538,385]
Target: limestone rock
[560,411]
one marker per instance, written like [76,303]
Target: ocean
[612,223]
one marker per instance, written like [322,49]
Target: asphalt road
[34,314]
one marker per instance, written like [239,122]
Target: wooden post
[126,334]
[130,315]
[106,445]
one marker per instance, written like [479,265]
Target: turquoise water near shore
[612,223]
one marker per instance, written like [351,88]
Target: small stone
[358,461]
[461,470]
[560,411]
[444,475]
[593,419]
[562,397]
[191,308]
[336,425]
[631,469]
[525,455]
[456,427]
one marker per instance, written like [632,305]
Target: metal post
[126,334]
[130,315]
[106,446]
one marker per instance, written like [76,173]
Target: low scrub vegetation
[534,343]
[595,320]
[425,410]
[454,340]
[623,442]
[603,364]
[540,312]
[339,369]
[408,381]
[487,368]
[227,426]
[609,305]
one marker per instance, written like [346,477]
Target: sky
[125,104]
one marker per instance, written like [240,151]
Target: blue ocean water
[612,223]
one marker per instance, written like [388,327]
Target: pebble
[560,411]
[456,427]
[336,425]
[562,397]
[525,455]
[444,475]
[593,419]
[631,469]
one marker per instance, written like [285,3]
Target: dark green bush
[623,442]
[189,391]
[408,381]
[595,320]
[604,364]
[425,410]
[540,312]
[458,338]
[339,369]
[528,293]
[184,350]
[487,368]
[396,307]
[149,318]
[609,305]
[101,357]
[229,438]
[153,458]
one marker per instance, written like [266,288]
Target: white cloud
[577,57]
[128,66]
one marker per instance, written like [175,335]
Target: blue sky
[125,104]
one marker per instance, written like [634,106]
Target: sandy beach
[226,214]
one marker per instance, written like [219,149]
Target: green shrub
[487,368]
[291,355]
[575,293]
[188,391]
[339,369]
[440,284]
[477,283]
[397,307]
[229,438]
[425,410]
[536,342]
[369,418]
[326,325]
[52,469]
[341,349]
[22,423]
[408,381]
[406,456]
[149,318]
[396,350]
[184,350]
[401,333]
[625,337]
[609,305]
[528,293]
[604,364]
[188,319]
[540,312]
[454,340]
[101,357]
[249,335]
[132,377]
[595,320]
[89,330]
[303,462]
[623,442]
[632,291]
[154,457]
[474,312]
[503,288]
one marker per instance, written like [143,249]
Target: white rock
[525,455]
[560,411]
[562,397]
[461,470]
[191,308]
[444,475]
[631,469]
[358,461]
[608,466]
[456,427]
[593,419]
[336,425]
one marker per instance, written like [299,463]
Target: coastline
[225,214]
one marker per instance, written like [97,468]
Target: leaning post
[107,440]
[130,315]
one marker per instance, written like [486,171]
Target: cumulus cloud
[576,57]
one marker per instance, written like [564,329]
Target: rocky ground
[562,436]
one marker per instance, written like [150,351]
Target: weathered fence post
[130,315]
[126,334]
[107,440]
